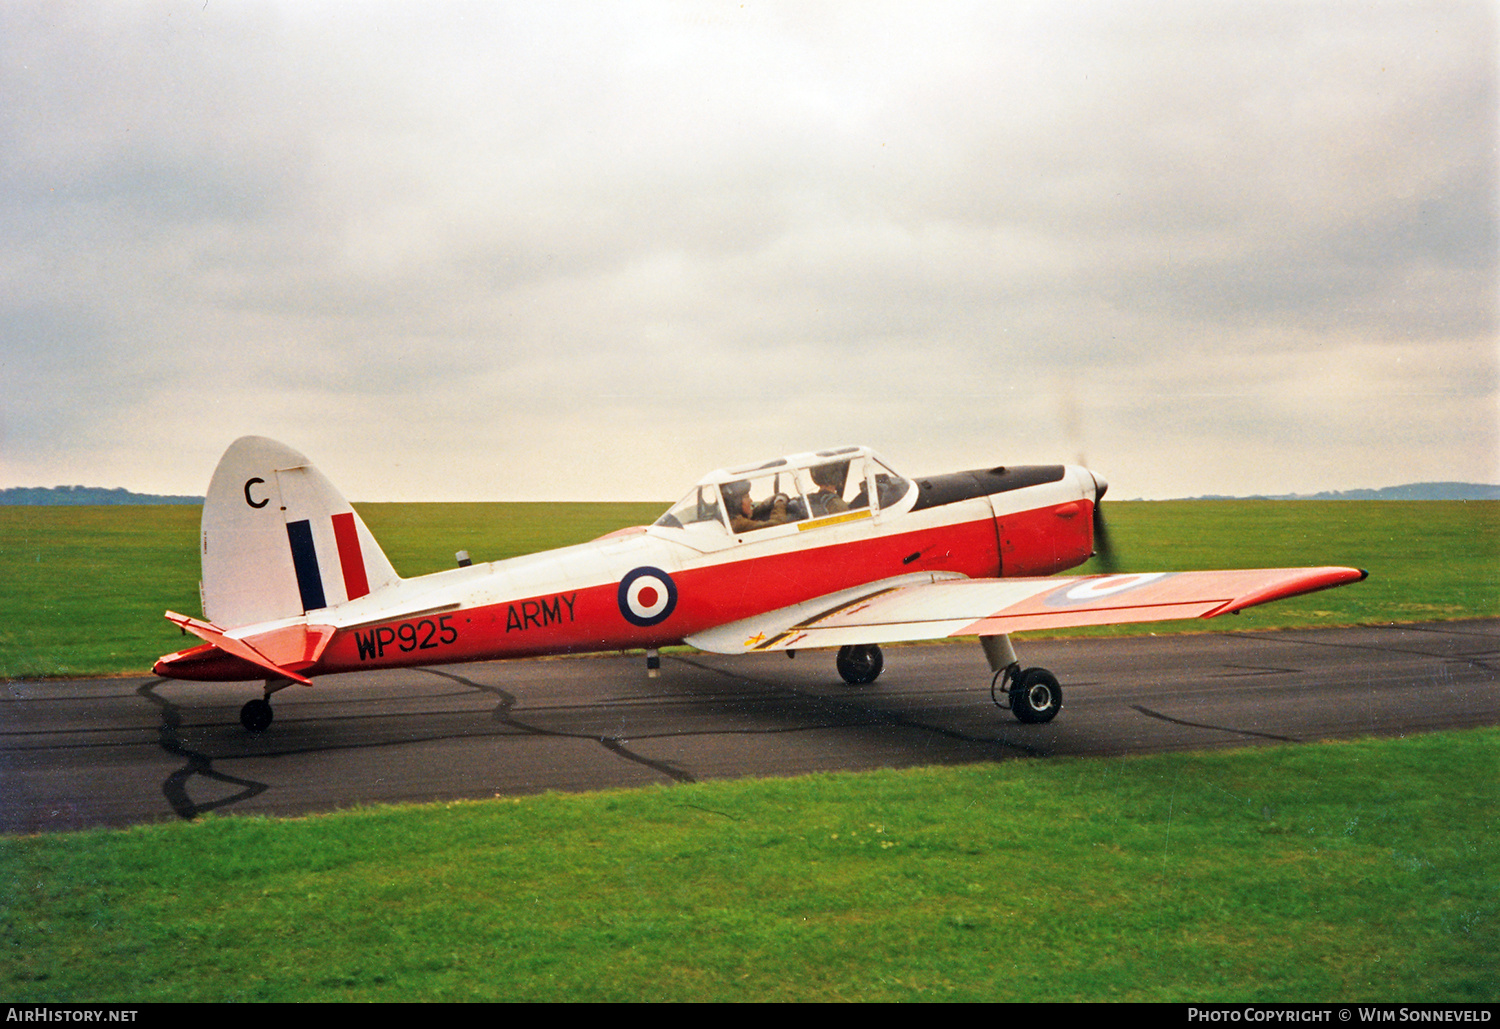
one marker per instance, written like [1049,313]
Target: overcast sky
[484,251]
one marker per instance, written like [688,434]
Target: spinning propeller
[1104,550]
[1072,418]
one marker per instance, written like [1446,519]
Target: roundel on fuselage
[647,596]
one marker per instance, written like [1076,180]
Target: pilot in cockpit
[742,513]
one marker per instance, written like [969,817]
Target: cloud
[478,251]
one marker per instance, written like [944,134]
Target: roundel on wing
[647,596]
[1099,587]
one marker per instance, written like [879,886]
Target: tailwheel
[1035,695]
[256,715]
[860,665]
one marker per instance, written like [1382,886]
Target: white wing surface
[928,606]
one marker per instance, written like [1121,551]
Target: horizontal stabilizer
[261,652]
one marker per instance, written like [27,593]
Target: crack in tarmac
[614,744]
[873,716]
[174,787]
[1217,728]
[1485,662]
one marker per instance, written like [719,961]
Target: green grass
[82,589]
[1354,871]
[1428,560]
[422,538]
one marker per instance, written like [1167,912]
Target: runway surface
[112,752]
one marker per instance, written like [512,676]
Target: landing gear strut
[860,665]
[1032,694]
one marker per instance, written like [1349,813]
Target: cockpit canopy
[816,487]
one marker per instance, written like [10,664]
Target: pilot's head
[735,495]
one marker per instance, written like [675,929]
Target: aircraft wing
[927,606]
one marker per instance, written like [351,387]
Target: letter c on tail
[248,500]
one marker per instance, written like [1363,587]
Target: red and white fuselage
[279,541]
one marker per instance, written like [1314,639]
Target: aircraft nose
[1100,486]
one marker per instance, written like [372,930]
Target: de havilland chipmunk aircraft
[822,550]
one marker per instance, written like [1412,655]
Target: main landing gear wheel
[256,715]
[1035,696]
[860,665]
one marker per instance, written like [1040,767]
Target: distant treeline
[1411,491]
[86,495]
[80,496]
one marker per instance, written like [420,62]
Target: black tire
[860,665]
[256,715]
[1036,696]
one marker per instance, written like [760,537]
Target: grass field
[85,587]
[1355,871]
[1350,871]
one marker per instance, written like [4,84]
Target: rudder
[279,541]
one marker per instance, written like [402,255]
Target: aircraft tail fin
[279,541]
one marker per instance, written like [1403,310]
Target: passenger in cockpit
[829,478]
